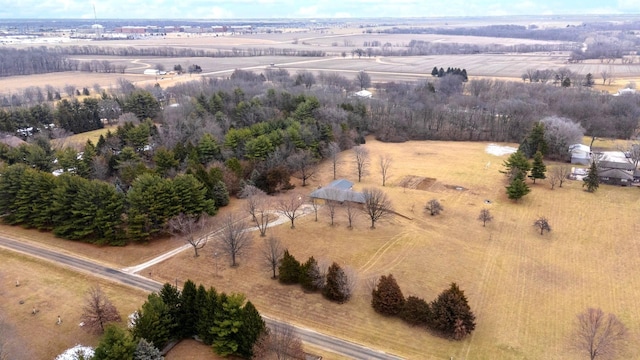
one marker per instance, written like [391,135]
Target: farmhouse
[616,173]
[338,190]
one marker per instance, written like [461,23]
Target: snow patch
[75,352]
[498,150]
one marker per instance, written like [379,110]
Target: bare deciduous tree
[385,164]
[272,253]
[258,206]
[351,209]
[434,207]
[362,161]
[376,205]
[559,174]
[485,216]
[600,335]
[233,237]
[279,342]
[332,152]
[291,207]
[543,224]
[315,206]
[191,228]
[98,311]
[304,165]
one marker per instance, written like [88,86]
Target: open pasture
[52,291]
[525,289]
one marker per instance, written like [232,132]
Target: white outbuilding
[580,154]
[153,72]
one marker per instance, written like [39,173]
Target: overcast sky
[215,9]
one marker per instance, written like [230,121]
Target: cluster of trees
[450,71]
[228,323]
[98,212]
[33,60]
[449,314]
[335,283]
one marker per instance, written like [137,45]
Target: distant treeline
[42,60]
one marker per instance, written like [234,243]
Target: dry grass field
[525,289]
[502,66]
[52,291]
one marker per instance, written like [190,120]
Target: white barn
[153,72]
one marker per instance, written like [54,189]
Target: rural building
[616,173]
[580,154]
[340,190]
[152,72]
[364,94]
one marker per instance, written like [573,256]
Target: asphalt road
[330,343]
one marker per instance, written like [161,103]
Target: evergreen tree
[172,298]
[416,311]
[207,302]
[336,288]
[588,80]
[146,351]
[115,344]
[516,165]
[289,269]
[154,322]
[538,168]
[535,141]
[219,194]
[452,315]
[387,298]
[188,318]
[592,181]
[227,325]
[250,331]
[517,189]
[434,72]
[310,276]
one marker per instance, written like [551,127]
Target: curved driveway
[330,343]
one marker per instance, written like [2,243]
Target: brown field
[525,289]
[502,66]
[53,291]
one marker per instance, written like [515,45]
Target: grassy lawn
[52,291]
[525,289]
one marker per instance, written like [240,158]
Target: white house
[580,154]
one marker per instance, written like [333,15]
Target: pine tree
[452,315]
[535,141]
[517,189]
[172,298]
[115,344]
[310,275]
[591,181]
[538,168]
[336,288]
[188,318]
[387,298]
[434,72]
[146,351]
[516,165]
[289,269]
[252,328]
[227,324]
[416,311]
[154,322]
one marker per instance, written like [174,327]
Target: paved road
[309,336]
